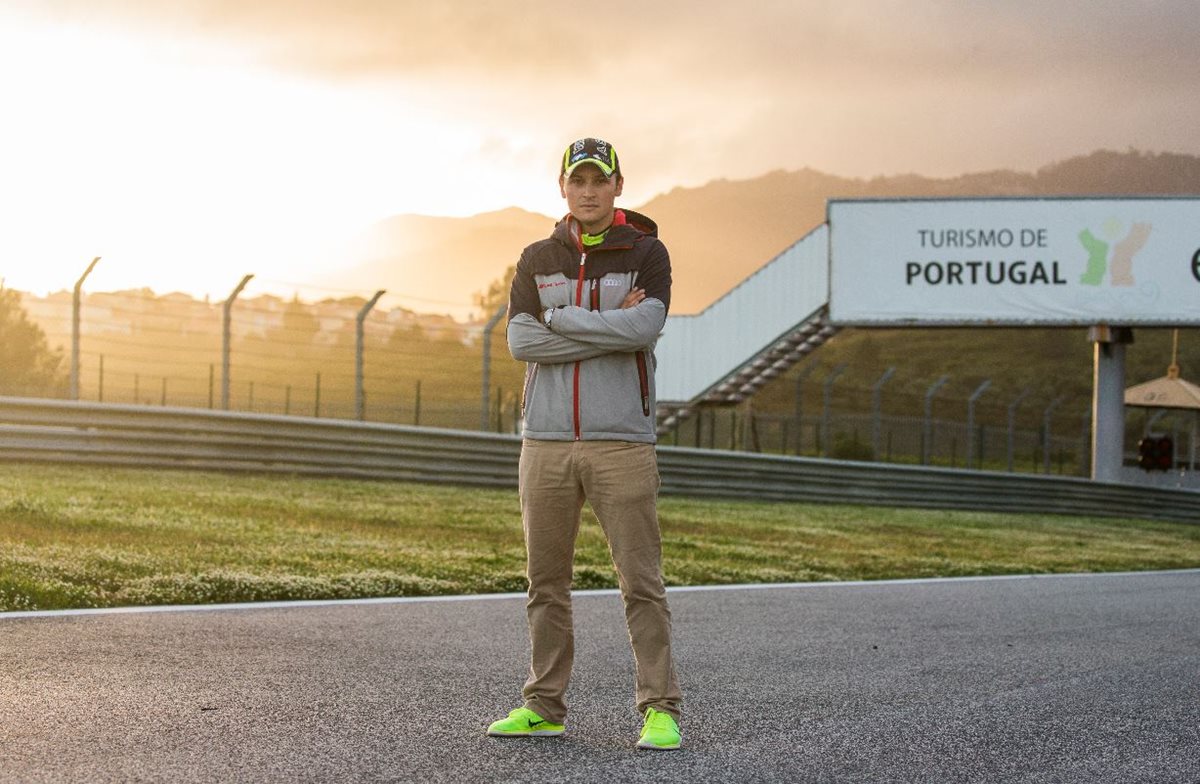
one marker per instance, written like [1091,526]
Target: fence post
[803,374]
[76,302]
[417,405]
[1012,423]
[750,429]
[927,429]
[1046,458]
[971,422]
[1192,441]
[877,410]
[1084,438]
[317,398]
[360,406]
[226,339]
[826,395]
[1152,420]
[487,364]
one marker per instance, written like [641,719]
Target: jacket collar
[628,226]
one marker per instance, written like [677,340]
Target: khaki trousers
[620,481]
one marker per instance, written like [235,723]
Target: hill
[438,264]
[718,233]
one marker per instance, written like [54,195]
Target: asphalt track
[1090,678]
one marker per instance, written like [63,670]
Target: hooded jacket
[590,373]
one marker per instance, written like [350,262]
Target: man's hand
[632,298]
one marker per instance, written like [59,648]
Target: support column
[1108,400]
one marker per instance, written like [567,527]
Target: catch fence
[307,359]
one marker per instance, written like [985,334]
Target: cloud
[710,89]
[765,41]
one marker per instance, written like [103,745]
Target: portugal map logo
[1119,263]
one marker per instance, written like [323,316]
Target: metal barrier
[153,437]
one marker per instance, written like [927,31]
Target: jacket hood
[627,227]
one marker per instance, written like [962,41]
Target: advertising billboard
[1069,261]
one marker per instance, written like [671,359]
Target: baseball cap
[589,150]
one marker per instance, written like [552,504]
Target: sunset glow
[189,143]
[183,175]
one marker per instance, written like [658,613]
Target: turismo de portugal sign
[999,261]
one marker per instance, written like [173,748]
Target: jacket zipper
[530,375]
[643,382]
[578,303]
[643,373]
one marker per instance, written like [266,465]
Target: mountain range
[718,233]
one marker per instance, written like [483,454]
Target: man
[586,307]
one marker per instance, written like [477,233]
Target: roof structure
[755,332]
[1170,391]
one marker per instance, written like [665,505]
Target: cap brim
[599,164]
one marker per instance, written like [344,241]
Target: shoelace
[660,720]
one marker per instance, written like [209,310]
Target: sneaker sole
[535,734]
[650,746]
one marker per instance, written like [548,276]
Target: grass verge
[73,537]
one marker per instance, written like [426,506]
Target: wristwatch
[547,314]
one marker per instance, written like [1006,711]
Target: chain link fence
[340,358]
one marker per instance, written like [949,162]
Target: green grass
[87,537]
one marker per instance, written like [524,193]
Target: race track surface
[1090,678]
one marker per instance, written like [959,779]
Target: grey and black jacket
[590,373]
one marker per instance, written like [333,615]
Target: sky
[189,142]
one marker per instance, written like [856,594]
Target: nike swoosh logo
[533,724]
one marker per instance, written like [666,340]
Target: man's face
[590,196]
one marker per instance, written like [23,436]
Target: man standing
[586,307]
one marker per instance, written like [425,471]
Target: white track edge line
[284,605]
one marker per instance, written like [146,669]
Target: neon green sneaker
[659,731]
[524,723]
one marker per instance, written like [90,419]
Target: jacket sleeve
[522,292]
[529,340]
[655,276]
[627,329]
[624,329]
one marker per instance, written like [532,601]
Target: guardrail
[152,437]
